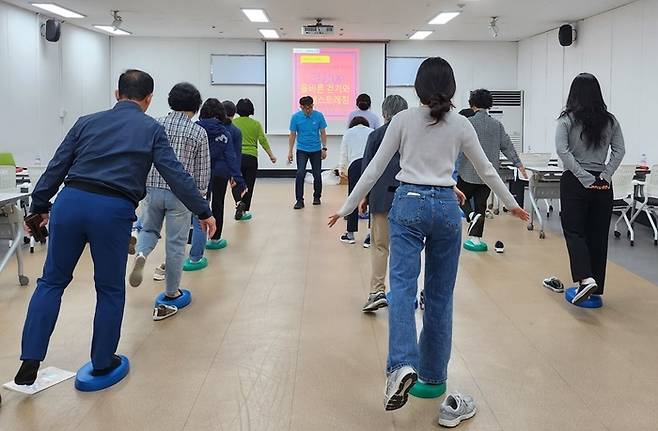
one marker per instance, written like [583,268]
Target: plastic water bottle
[37,160]
[644,164]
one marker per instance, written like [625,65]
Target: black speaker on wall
[567,35]
[51,30]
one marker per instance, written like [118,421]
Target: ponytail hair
[435,86]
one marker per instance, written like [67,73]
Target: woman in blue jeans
[425,215]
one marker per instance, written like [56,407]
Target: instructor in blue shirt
[308,130]
[103,162]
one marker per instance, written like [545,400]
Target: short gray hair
[392,105]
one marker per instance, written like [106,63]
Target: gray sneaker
[375,302]
[137,273]
[163,311]
[456,408]
[160,273]
[398,385]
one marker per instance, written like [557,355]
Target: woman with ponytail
[425,214]
[586,133]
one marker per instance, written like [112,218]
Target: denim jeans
[303,157]
[158,206]
[199,238]
[423,217]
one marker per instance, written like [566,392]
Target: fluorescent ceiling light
[57,10]
[444,18]
[112,30]
[256,15]
[420,35]
[269,33]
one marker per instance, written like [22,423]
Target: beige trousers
[379,251]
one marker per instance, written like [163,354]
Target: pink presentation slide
[330,76]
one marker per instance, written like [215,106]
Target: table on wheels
[11,229]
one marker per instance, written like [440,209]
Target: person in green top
[252,135]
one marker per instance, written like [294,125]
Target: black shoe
[584,292]
[375,302]
[366,242]
[240,208]
[554,284]
[499,247]
[27,374]
[299,205]
[347,238]
[316,201]
[116,362]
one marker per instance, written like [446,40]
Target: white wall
[492,65]
[39,81]
[620,47]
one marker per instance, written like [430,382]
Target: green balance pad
[479,248]
[216,245]
[195,266]
[426,390]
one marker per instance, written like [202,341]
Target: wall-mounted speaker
[567,35]
[51,30]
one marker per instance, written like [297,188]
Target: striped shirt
[494,140]
[190,143]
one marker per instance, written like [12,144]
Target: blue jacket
[236,137]
[223,161]
[111,152]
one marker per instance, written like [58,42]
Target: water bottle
[644,164]
[37,160]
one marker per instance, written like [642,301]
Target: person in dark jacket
[379,201]
[236,137]
[104,162]
[225,170]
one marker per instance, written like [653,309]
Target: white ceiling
[358,19]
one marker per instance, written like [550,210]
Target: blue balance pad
[86,382]
[594,301]
[180,302]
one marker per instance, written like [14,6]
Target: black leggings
[353,175]
[586,215]
[479,193]
[216,196]
[249,171]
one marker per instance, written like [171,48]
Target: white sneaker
[456,408]
[159,273]
[137,273]
[398,385]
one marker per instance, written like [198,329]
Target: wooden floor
[275,340]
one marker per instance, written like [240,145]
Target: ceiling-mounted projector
[317,29]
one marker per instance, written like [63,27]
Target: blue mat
[86,382]
[180,302]
[594,301]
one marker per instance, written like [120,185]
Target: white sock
[350,235]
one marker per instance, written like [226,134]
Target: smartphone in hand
[33,222]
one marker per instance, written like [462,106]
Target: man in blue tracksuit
[103,161]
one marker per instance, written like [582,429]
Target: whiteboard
[237,69]
[401,71]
